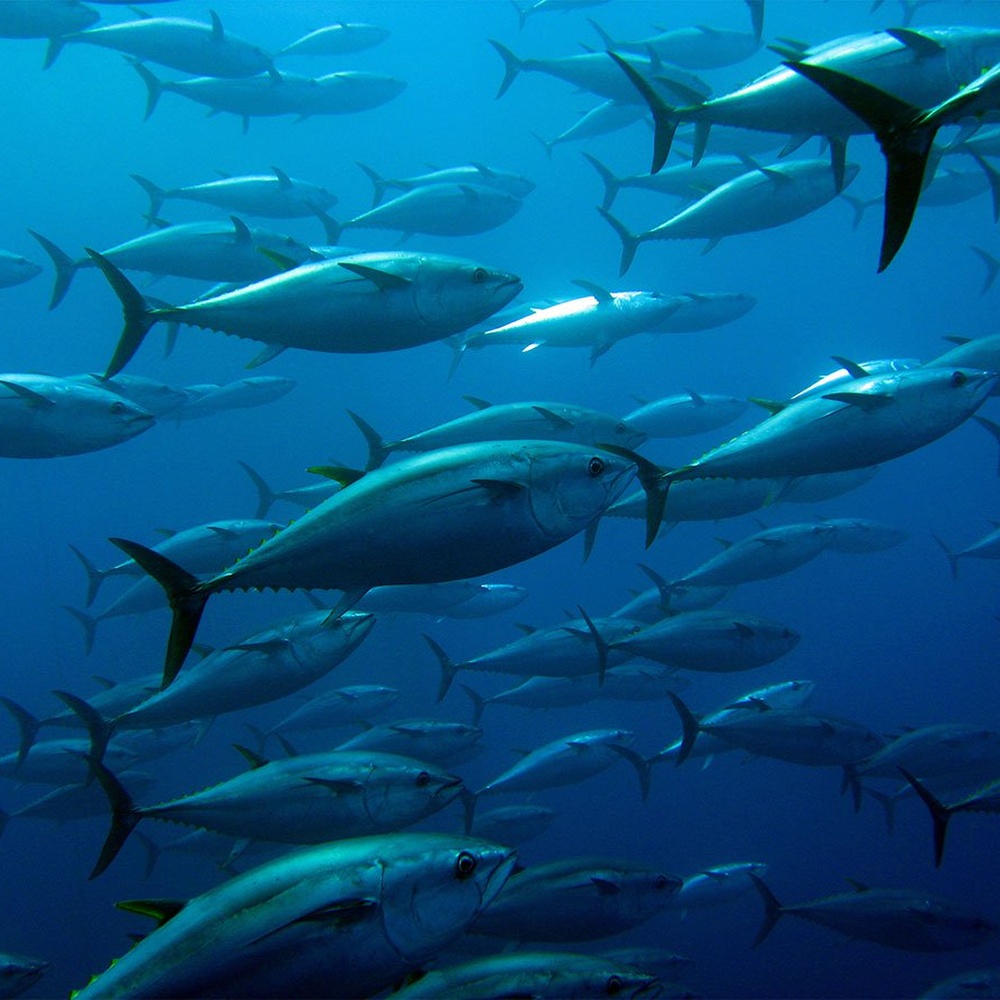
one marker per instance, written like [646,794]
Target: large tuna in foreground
[449,514]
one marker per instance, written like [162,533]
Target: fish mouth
[511,282]
[449,790]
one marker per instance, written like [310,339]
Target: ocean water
[889,638]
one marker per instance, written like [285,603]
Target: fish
[275,195]
[302,496]
[568,760]
[712,640]
[450,514]
[46,416]
[870,420]
[339,707]
[344,919]
[360,304]
[783,695]
[339,39]
[453,599]
[247,392]
[564,650]
[862,534]
[47,19]
[268,665]
[974,983]
[683,181]
[545,6]
[897,918]
[609,116]
[761,198]
[432,740]
[718,884]
[209,251]
[346,92]
[767,553]
[157,397]
[513,824]
[15,269]
[970,352]
[527,420]
[851,370]
[190,46]
[686,413]
[533,973]
[309,799]
[442,209]
[476,174]
[577,899]
[597,320]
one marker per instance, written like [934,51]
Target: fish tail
[905,141]
[850,780]
[690,726]
[643,768]
[154,87]
[156,196]
[888,804]
[95,576]
[992,268]
[187,598]
[124,815]
[27,724]
[993,179]
[153,852]
[136,312]
[664,116]
[379,183]
[630,242]
[773,910]
[951,556]
[378,452]
[331,227]
[546,144]
[600,643]
[940,814]
[992,426]
[512,64]
[448,668]
[612,184]
[55,46]
[98,728]
[478,703]
[665,588]
[756,18]
[65,266]
[89,623]
[265,495]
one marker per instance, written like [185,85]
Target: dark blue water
[889,638]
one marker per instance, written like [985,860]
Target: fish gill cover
[877,627]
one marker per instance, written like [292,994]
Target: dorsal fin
[218,32]
[160,910]
[284,181]
[851,367]
[557,422]
[254,759]
[922,46]
[602,295]
[479,404]
[241,230]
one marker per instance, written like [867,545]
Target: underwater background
[889,637]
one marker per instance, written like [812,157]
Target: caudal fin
[773,910]
[65,266]
[136,313]
[690,726]
[27,724]
[664,116]
[95,576]
[905,142]
[951,556]
[512,65]
[940,814]
[379,183]
[378,451]
[89,624]
[265,495]
[612,184]
[448,668]
[630,241]
[156,195]
[186,596]
[124,816]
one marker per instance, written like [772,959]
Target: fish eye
[958,379]
[479,275]
[117,407]
[621,429]
[465,864]
[595,466]
[423,779]
[613,986]
[661,882]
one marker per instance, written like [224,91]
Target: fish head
[625,435]
[434,886]
[102,418]
[940,398]
[401,791]
[643,892]
[947,927]
[571,486]
[451,294]
[863,535]
[971,52]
